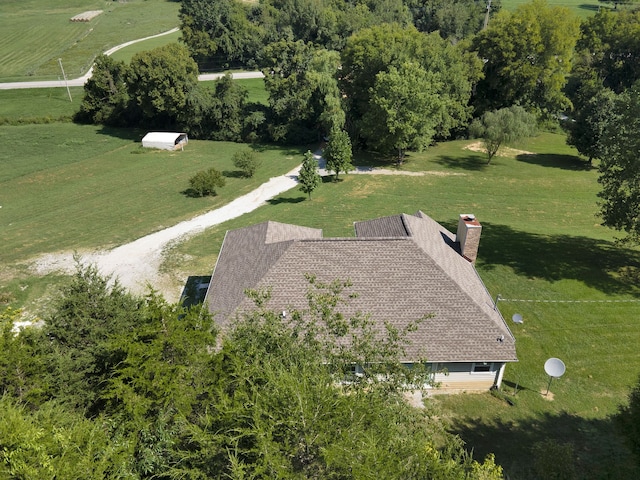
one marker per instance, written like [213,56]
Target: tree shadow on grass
[279,200]
[295,151]
[600,264]
[331,178]
[133,134]
[191,193]
[233,174]
[364,158]
[599,450]
[470,162]
[565,162]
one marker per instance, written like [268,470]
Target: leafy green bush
[247,161]
[205,182]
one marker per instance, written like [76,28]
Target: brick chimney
[468,235]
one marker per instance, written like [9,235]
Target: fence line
[500,299]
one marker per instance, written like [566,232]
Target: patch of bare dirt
[549,397]
[502,151]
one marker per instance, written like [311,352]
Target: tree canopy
[159,83]
[609,49]
[620,168]
[309,178]
[503,126]
[378,49]
[527,55]
[272,397]
[338,152]
[586,130]
[404,110]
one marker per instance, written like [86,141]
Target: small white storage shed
[165,140]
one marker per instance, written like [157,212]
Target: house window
[481,367]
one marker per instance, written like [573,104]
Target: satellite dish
[554,367]
[517,318]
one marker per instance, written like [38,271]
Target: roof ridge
[405,224]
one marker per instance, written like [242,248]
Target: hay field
[35,33]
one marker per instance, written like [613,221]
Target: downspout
[500,375]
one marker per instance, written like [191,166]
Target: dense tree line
[117,386]
[160,89]
[393,75]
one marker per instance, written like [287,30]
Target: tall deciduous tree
[376,49]
[219,33]
[527,55]
[338,152]
[609,49]
[159,83]
[503,126]
[309,177]
[620,168]
[105,94]
[304,99]
[453,19]
[404,110]
[590,120]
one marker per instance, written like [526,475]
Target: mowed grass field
[582,8]
[78,187]
[35,33]
[544,251]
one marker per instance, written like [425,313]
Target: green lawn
[35,33]
[582,8]
[126,54]
[38,105]
[75,187]
[541,241]
[45,105]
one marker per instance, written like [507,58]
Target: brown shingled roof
[402,267]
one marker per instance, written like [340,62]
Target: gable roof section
[398,278]
[245,257]
[393,226]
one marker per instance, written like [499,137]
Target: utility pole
[65,79]
[486,16]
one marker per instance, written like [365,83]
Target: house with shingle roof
[402,267]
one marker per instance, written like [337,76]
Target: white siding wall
[461,377]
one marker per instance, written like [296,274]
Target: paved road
[80,81]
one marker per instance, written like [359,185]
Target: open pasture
[79,187]
[35,33]
[582,8]
[541,242]
[126,54]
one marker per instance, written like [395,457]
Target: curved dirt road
[137,264]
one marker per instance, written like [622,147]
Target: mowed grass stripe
[36,51]
[66,197]
[30,46]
